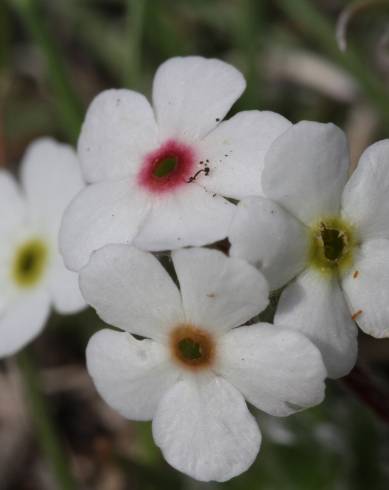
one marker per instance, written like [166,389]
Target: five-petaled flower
[159,176]
[194,369]
[32,273]
[331,236]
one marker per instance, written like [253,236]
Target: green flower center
[29,263]
[332,242]
[190,349]
[165,167]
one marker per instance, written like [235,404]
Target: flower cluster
[174,177]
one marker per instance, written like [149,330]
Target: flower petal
[51,177]
[131,375]
[205,430]
[306,169]
[276,369]
[22,321]
[190,216]
[315,306]
[218,292]
[107,212]
[12,206]
[365,198]
[64,289]
[235,152]
[267,236]
[119,129]
[192,94]
[367,287]
[131,290]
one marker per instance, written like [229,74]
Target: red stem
[368,391]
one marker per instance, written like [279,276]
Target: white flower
[194,369]
[32,273]
[332,236]
[158,174]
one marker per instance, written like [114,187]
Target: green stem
[45,429]
[135,16]
[305,14]
[68,104]
[249,34]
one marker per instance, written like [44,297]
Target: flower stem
[48,438]
[67,101]
[135,16]
[305,14]
[368,391]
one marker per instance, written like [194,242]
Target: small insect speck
[217,119]
[211,295]
[356,315]
[214,195]
[193,178]
[356,274]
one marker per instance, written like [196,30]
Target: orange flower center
[192,347]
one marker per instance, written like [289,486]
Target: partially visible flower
[331,236]
[158,173]
[194,370]
[32,273]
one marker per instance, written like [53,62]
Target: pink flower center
[167,168]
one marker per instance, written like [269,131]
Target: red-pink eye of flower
[168,167]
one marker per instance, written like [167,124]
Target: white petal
[365,198]
[315,306]
[131,375]
[191,95]
[22,321]
[119,129]
[218,292]
[235,153]
[205,430]
[107,212]
[51,177]
[266,235]
[306,169]
[191,216]
[64,289]
[131,290]
[276,369]
[367,288]
[12,206]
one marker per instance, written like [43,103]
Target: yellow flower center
[29,263]
[332,243]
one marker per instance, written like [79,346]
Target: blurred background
[324,60]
